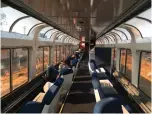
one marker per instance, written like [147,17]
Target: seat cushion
[32,107]
[52,73]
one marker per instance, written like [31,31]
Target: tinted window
[46,57]
[145,73]
[55,55]
[128,64]
[39,61]
[19,67]
[122,60]
[114,57]
[58,54]
[5,71]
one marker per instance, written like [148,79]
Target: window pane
[19,67]
[46,57]
[122,60]
[145,73]
[5,71]
[23,26]
[114,57]
[129,65]
[54,60]
[58,54]
[8,16]
[39,61]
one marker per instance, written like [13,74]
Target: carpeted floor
[81,97]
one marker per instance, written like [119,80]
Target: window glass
[44,30]
[58,54]
[122,60]
[8,16]
[114,57]
[143,26]
[19,67]
[145,73]
[5,71]
[46,57]
[39,61]
[128,64]
[23,26]
[55,56]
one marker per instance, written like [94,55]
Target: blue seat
[32,107]
[108,105]
[36,107]
[66,71]
[74,62]
[51,73]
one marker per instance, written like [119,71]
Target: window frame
[140,70]
[10,61]
[124,74]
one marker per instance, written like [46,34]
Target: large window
[19,67]
[145,73]
[14,69]
[5,71]
[46,57]
[122,60]
[58,53]
[128,64]
[39,60]
[114,57]
[55,56]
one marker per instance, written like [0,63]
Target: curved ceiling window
[23,26]
[142,24]
[125,32]
[44,31]
[8,17]
[49,34]
[121,34]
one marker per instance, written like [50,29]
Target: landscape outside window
[39,61]
[5,71]
[46,57]
[122,60]
[145,74]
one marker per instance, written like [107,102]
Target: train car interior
[76,56]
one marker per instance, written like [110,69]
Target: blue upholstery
[52,73]
[93,64]
[67,60]
[108,105]
[58,82]
[32,107]
[66,71]
[74,62]
[50,94]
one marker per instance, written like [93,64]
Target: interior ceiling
[78,16]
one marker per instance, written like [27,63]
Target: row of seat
[107,98]
[57,84]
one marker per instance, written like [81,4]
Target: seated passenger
[74,62]
[68,60]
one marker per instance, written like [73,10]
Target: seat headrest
[52,73]
[108,105]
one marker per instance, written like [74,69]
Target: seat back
[108,105]
[51,73]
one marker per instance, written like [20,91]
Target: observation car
[76,56]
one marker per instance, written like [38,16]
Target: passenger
[68,60]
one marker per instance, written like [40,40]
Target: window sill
[136,94]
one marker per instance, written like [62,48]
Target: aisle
[81,98]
